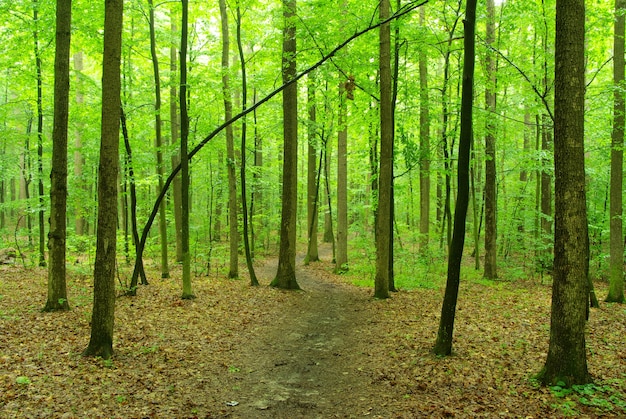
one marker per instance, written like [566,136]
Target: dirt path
[306,361]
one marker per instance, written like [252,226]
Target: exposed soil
[305,361]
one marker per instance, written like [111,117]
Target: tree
[233,270]
[57,289]
[165,271]
[443,344]
[286,274]
[174,127]
[567,358]
[184,155]
[103,315]
[341,261]
[244,127]
[40,191]
[312,174]
[424,146]
[616,280]
[490,151]
[383,212]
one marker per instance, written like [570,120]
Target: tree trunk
[567,358]
[286,274]
[312,175]
[244,126]
[424,146]
[233,222]
[616,280]
[184,160]
[81,226]
[40,191]
[383,213]
[175,159]
[491,231]
[103,316]
[165,270]
[341,261]
[443,345]
[57,290]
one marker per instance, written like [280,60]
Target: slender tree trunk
[174,126]
[103,316]
[165,270]
[244,126]
[424,146]
[616,281]
[40,191]
[329,235]
[491,231]
[341,261]
[443,345]
[81,225]
[286,274]
[233,221]
[383,213]
[57,289]
[567,356]
[184,159]
[312,175]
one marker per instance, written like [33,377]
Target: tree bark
[443,344]
[165,271]
[103,316]
[312,189]
[616,279]
[233,221]
[174,130]
[184,158]
[57,289]
[567,358]
[491,231]
[341,261]
[40,191]
[286,274]
[383,212]
[424,146]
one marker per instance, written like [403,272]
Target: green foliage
[22,380]
[604,398]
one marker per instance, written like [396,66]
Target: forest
[257,208]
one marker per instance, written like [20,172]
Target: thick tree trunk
[57,290]
[616,281]
[286,274]
[567,357]
[103,317]
[443,345]
[383,212]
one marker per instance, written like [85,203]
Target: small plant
[22,380]
[233,369]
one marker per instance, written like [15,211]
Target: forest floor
[328,351]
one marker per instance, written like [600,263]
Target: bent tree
[443,344]
[567,358]
[103,316]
